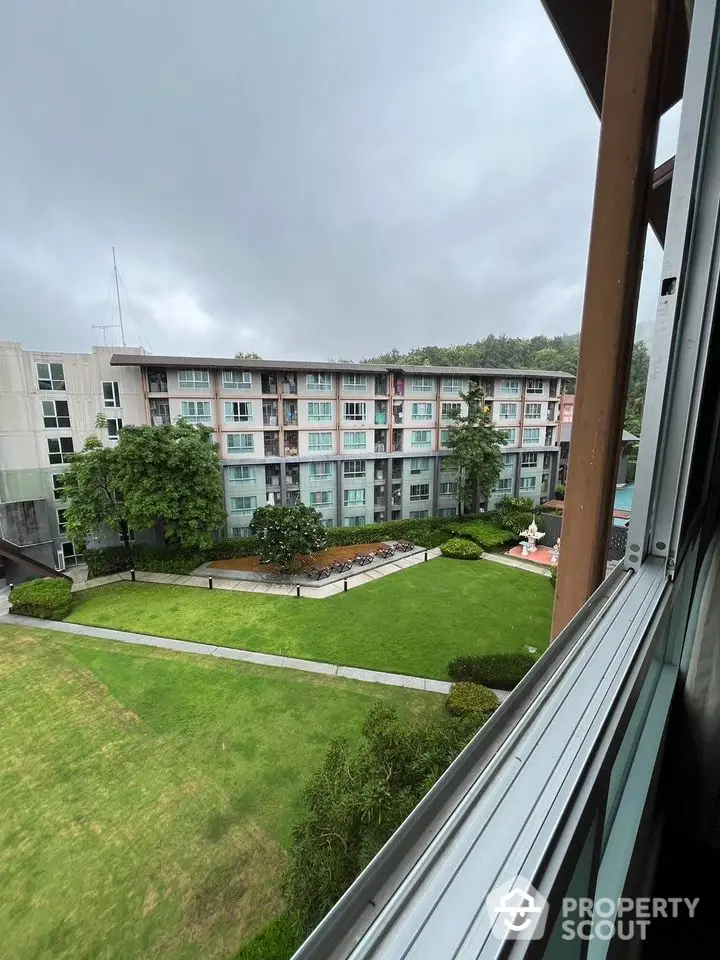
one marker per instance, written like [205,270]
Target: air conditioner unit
[60,565]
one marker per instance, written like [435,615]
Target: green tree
[476,455]
[359,798]
[635,403]
[242,355]
[169,475]
[172,475]
[285,533]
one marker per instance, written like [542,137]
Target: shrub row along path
[231,653]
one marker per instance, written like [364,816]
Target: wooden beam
[628,134]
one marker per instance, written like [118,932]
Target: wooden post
[628,133]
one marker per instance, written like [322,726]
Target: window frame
[450,403]
[360,414]
[421,384]
[354,469]
[57,490]
[243,511]
[531,416]
[114,400]
[196,417]
[62,454]
[322,504]
[355,497]
[318,382]
[506,388]
[196,384]
[118,425]
[236,417]
[354,433]
[315,477]
[355,382]
[229,383]
[318,417]
[526,484]
[527,464]
[508,404]
[509,441]
[503,485]
[415,470]
[531,385]
[448,384]
[52,382]
[61,420]
[420,446]
[240,449]
[525,439]
[415,413]
[448,493]
[414,497]
[316,435]
[250,478]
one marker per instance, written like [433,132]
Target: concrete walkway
[518,564]
[230,653]
[308,589]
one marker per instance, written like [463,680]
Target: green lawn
[412,622]
[146,797]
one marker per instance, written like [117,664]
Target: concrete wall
[24,523]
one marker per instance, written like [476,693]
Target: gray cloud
[304,178]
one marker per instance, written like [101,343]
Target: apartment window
[529,460]
[196,411]
[59,449]
[419,464]
[354,441]
[447,512]
[238,411]
[321,498]
[533,411]
[420,438]
[531,435]
[319,412]
[355,411]
[61,521]
[508,460]
[420,491]
[452,384]
[111,393]
[509,437]
[193,379]
[503,485]
[450,411]
[69,555]
[534,386]
[354,469]
[56,413]
[508,411]
[50,376]
[419,514]
[444,437]
[354,498]
[319,441]
[510,386]
[241,474]
[356,521]
[321,471]
[448,488]
[423,384]
[422,411]
[57,482]
[318,382]
[237,379]
[357,382]
[241,506]
[528,483]
[240,533]
[114,426]
[240,443]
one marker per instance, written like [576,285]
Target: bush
[560,491]
[284,533]
[460,549]
[500,671]
[471,698]
[488,535]
[48,598]
[553,578]
[277,941]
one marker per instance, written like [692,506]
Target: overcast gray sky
[302,178]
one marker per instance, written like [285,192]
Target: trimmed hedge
[460,549]
[488,535]
[470,698]
[48,598]
[176,558]
[501,671]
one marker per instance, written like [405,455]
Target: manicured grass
[411,622]
[146,797]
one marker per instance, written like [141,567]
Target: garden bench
[363,559]
[385,552]
[318,573]
[403,546]
[340,566]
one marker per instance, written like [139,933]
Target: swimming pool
[623,501]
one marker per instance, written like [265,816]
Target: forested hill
[541,353]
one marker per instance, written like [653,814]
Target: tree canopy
[476,451]
[284,533]
[169,475]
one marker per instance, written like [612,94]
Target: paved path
[518,564]
[355,578]
[230,653]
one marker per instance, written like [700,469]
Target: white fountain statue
[555,553]
[532,535]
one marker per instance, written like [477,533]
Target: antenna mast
[117,293]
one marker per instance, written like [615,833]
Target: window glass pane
[354,441]
[237,379]
[354,468]
[320,441]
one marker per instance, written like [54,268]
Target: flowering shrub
[284,533]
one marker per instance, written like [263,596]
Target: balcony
[380,441]
[292,475]
[272,475]
[396,495]
[290,412]
[381,384]
[289,383]
[157,381]
[270,413]
[397,413]
[397,441]
[291,443]
[399,387]
[397,469]
[271,443]
[379,499]
[380,473]
[292,498]
[160,413]
[268,383]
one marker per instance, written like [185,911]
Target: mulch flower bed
[322,559]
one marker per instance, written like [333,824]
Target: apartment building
[362,443]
